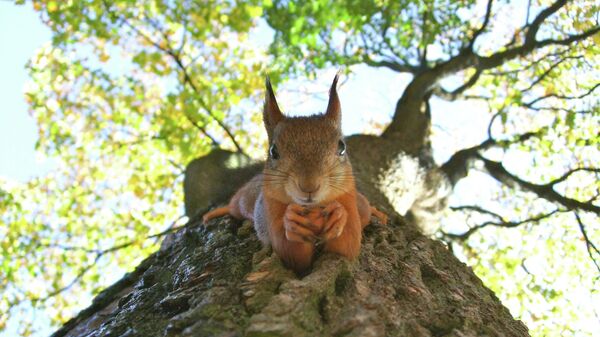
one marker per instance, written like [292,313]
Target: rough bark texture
[219,281]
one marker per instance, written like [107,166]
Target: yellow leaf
[103,57]
[52,6]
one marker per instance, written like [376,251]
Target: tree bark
[219,281]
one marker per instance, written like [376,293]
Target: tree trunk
[219,281]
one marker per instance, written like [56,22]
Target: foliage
[128,92]
[377,33]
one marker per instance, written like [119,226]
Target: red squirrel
[306,192]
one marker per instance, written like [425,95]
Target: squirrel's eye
[273,152]
[341,148]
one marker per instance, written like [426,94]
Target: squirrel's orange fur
[307,168]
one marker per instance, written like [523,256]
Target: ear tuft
[334,109]
[271,113]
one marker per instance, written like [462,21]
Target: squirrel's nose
[309,187]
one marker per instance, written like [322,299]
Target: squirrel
[306,194]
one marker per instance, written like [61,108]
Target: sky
[21,33]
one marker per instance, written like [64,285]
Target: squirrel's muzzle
[309,186]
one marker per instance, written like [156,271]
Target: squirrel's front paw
[298,227]
[336,221]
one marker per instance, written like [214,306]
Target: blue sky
[21,33]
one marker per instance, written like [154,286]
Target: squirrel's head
[307,161]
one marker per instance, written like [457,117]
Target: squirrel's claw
[215,213]
[379,215]
[298,214]
[297,233]
[297,227]
[336,222]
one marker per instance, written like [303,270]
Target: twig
[99,254]
[499,223]
[591,248]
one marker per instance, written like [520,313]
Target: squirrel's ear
[334,109]
[271,113]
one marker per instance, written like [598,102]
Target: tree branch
[468,58]
[187,80]
[423,55]
[559,96]
[393,65]
[500,221]
[545,191]
[484,25]
[410,105]
[457,93]
[591,248]
[549,71]
[499,58]
[439,91]
[478,209]
[566,175]
[457,166]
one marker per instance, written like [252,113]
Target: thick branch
[457,93]
[423,55]
[545,191]
[468,58]
[453,95]
[410,106]
[395,66]
[486,21]
[457,166]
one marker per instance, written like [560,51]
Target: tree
[124,132]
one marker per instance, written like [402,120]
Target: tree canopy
[127,93]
